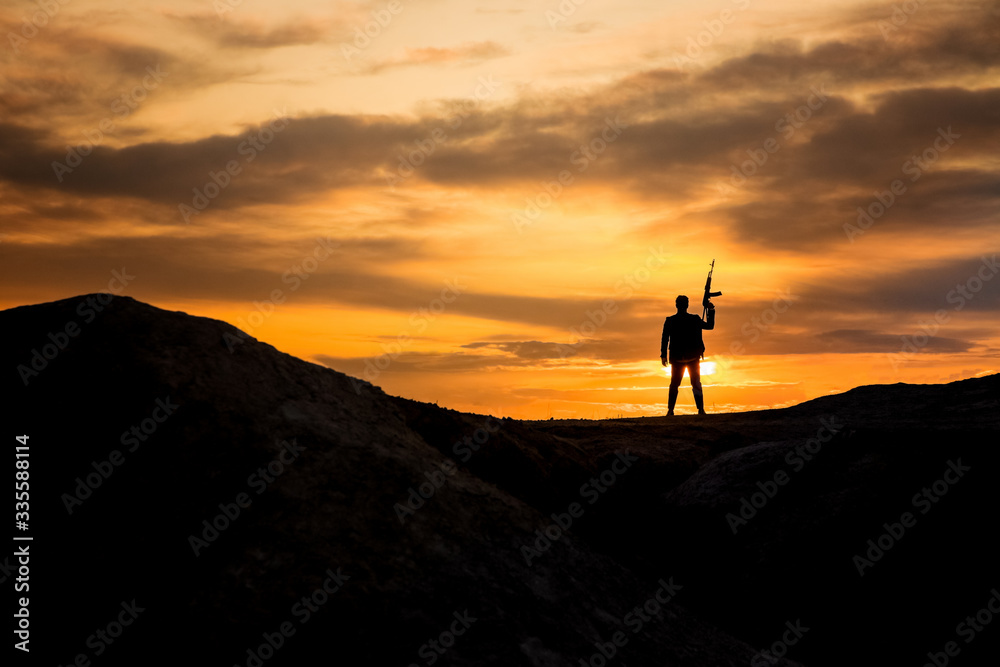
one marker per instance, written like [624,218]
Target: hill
[260,508]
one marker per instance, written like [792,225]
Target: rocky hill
[197,492]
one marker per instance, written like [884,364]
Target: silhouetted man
[682,334]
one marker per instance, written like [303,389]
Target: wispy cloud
[465,54]
[759,156]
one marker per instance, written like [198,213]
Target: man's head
[681,302]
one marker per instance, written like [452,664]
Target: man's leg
[676,373]
[694,370]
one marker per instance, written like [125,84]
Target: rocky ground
[257,507]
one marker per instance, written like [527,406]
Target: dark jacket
[682,334]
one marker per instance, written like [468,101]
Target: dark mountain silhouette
[345,459]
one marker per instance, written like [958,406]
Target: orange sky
[492,205]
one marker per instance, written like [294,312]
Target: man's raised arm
[710,324]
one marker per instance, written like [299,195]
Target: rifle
[706,300]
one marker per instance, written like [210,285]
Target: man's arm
[664,341]
[710,324]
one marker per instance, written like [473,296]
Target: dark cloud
[950,44]
[853,341]
[311,155]
[618,343]
[941,202]
[923,290]
[869,149]
[841,341]
[169,267]
[70,78]
[670,148]
[243,34]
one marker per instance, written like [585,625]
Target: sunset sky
[492,205]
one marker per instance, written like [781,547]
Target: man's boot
[699,400]
[671,400]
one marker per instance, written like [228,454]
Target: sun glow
[493,249]
[707,368]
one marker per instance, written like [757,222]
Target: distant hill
[433,530]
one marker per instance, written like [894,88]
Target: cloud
[919,290]
[845,341]
[167,172]
[855,341]
[73,76]
[429,362]
[465,54]
[490,10]
[529,350]
[584,27]
[235,33]
[244,268]
[684,134]
[955,40]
